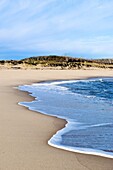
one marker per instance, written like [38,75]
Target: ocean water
[86,105]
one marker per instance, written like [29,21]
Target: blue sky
[79,28]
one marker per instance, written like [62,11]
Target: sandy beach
[24,133]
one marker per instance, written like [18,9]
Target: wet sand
[24,133]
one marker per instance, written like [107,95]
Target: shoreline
[87,151]
[24,133]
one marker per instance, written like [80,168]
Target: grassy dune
[56,62]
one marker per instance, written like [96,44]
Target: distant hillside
[104,61]
[61,62]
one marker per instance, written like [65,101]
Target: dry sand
[24,134]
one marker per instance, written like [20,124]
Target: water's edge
[72,149]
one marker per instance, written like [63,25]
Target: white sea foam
[82,150]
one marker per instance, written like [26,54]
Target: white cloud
[57,25]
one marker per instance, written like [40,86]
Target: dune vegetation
[56,62]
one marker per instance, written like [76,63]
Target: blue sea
[86,105]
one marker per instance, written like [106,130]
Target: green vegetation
[61,62]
